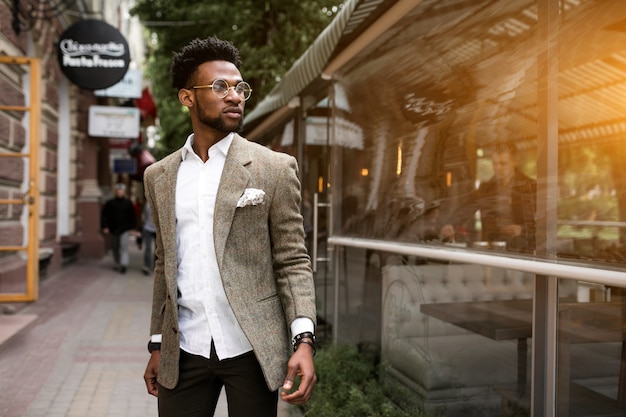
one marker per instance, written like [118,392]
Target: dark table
[578,323]
[497,320]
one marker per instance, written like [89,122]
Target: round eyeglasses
[221,87]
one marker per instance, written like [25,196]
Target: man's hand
[152,370]
[447,233]
[300,364]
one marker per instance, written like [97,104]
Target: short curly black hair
[198,51]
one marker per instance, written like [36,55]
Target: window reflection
[505,204]
[457,94]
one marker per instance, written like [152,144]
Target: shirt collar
[222,145]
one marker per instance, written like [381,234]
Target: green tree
[270,35]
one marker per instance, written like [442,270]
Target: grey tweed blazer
[260,252]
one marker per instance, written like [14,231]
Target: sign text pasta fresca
[93,54]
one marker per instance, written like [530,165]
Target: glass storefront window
[438,138]
[591,353]
[436,131]
[448,141]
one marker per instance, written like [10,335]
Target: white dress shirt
[204,313]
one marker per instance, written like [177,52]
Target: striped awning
[310,65]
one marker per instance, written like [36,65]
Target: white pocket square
[251,197]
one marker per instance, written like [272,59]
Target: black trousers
[201,381]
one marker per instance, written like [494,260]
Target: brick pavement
[84,353]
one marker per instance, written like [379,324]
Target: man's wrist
[152,346]
[154,343]
[307,338]
[307,342]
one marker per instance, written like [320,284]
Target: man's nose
[233,95]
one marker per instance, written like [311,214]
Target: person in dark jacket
[117,219]
[507,204]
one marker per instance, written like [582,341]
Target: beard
[218,123]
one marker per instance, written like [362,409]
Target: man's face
[503,167]
[221,114]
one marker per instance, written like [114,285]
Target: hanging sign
[113,122]
[130,86]
[93,54]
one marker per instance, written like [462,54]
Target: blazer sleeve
[292,265]
[159,291]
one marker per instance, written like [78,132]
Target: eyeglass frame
[195,87]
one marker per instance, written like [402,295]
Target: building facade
[463,160]
[53,175]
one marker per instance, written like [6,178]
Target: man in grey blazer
[232,279]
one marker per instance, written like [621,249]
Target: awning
[310,65]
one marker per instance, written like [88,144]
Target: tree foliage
[270,36]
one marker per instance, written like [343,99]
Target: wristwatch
[153,346]
[300,338]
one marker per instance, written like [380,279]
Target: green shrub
[349,385]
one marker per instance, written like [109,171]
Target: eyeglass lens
[221,87]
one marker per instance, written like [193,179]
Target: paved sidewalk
[82,353]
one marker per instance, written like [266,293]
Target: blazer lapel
[235,178]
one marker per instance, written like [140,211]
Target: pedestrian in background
[116,220]
[148,232]
[232,276]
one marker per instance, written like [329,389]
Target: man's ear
[185,97]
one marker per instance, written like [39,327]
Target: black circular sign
[93,54]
